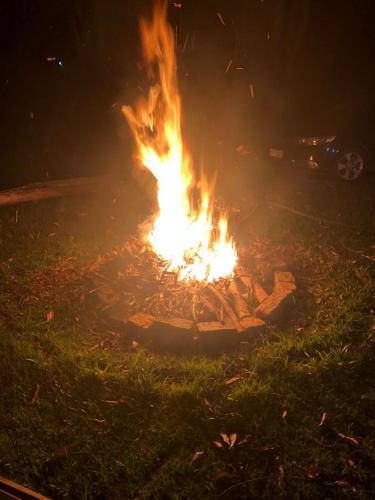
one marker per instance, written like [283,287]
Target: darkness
[67,66]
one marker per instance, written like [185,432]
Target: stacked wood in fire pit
[135,289]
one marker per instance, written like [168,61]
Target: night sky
[67,66]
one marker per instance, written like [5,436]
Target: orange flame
[182,234]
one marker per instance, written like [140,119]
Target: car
[339,141]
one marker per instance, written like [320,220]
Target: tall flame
[182,233]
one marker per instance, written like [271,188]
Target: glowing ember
[183,232]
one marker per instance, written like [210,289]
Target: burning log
[227,307]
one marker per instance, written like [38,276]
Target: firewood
[272,307]
[285,280]
[242,276]
[214,327]
[175,323]
[227,307]
[252,324]
[141,320]
[259,292]
[246,281]
[10,490]
[238,301]
[212,308]
[213,335]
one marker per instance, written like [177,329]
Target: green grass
[116,421]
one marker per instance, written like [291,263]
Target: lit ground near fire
[86,414]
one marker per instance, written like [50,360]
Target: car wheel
[351,164]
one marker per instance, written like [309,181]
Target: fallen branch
[55,189]
[247,216]
[321,220]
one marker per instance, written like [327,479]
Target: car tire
[351,164]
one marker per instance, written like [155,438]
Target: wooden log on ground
[252,324]
[175,334]
[246,281]
[284,280]
[272,307]
[37,191]
[211,307]
[214,328]
[227,307]
[10,490]
[213,335]
[239,302]
[165,333]
[142,321]
[177,325]
[259,292]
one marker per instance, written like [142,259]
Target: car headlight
[315,141]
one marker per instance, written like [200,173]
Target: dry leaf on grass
[313,471]
[208,404]
[225,438]
[196,455]
[350,439]
[341,482]
[323,419]
[50,316]
[232,380]
[36,396]
[233,439]
[221,19]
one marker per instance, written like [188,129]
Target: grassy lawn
[86,414]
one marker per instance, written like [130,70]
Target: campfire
[183,233]
[182,274]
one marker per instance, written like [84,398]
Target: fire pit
[182,280]
[136,291]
